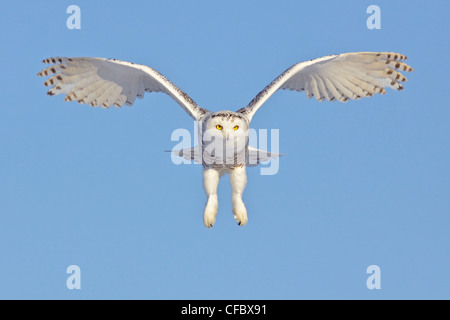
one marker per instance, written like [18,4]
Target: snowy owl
[223,143]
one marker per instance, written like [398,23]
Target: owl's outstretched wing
[256,156]
[338,77]
[194,153]
[107,82]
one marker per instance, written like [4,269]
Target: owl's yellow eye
[235,128]
[219,127]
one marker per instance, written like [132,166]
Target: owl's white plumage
[108,82]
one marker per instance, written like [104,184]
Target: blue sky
[363,183]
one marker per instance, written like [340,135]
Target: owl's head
[226,125]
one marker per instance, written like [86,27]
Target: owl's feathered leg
[211,179]
[238,180]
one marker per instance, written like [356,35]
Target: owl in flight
[223,136]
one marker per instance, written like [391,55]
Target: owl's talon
[210,213]
[239,212]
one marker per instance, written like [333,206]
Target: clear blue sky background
[362,183]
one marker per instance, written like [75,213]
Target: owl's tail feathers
[256,156]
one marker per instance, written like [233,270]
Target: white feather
[83,79]
[338,77]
